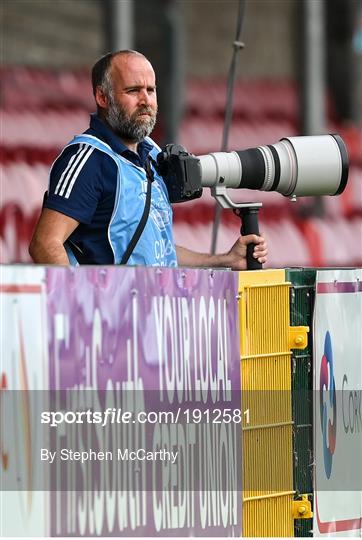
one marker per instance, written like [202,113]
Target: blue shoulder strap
[95,142]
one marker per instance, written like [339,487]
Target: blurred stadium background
[300,73]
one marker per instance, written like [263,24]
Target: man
[98,184]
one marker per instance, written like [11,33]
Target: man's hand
[234,259]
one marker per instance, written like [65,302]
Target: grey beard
[126,127]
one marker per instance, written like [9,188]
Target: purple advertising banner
[157,350]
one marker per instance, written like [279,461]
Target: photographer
[102,181]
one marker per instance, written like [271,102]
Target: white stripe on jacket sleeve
[77,171]
[68,168]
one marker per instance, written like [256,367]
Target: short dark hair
[100,69]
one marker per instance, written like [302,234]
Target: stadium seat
[45,88]
[47,129]
[339,241]
[24,185]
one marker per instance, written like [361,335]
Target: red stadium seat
[45,88]
[47,129]
[334,242]
[24,185]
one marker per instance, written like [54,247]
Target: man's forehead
[131,67]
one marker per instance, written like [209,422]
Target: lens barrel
[301,166]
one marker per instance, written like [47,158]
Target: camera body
[181,172]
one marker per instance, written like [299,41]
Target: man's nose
[144,98]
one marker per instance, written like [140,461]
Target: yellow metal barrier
[266,338]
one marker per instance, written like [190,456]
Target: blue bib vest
[156,245]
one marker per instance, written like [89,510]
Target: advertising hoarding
[337,411]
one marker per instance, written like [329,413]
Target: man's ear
[101,98]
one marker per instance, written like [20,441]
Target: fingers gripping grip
[250,225]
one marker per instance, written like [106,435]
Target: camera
[294,166]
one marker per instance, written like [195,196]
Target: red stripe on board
[30,289]
[337,526]
[339,287]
